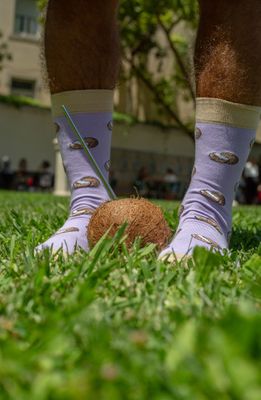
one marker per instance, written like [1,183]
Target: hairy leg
[228,82]
[228,51]
[82,61]
[81,44]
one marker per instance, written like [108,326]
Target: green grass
[115,325]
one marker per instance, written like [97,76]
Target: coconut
[144,220]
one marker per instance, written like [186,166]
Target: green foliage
[20,101]
[42,4]
[115,325]
[159,31]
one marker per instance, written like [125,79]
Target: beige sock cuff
[83,101]
[224,112]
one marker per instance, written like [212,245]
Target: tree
[160,30]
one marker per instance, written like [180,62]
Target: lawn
[114,325]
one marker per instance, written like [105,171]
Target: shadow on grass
[245,238]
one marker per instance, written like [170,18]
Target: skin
[82,48]
[81,44]
[228,51]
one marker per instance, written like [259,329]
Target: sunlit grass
[115,325]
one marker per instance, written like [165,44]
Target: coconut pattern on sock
[206,211]
[87,192]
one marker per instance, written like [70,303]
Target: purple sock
[224,135]
[92,114]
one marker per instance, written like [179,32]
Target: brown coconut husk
[144,220]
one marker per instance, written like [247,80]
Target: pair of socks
[224,135]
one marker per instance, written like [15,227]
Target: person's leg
[228,82]
[82,62]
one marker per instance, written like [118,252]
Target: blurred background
[153,139]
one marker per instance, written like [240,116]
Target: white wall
[26,132]
[152,139]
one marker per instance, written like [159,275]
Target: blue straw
[91,159]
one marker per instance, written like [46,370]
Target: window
[21,87]
[26,18]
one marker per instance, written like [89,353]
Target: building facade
[21,31]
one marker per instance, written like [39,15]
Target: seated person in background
[21,176]
[251,175]
[171,184]
[6,174]
[113,179]
[141,182]
[259,194]
[45,177]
